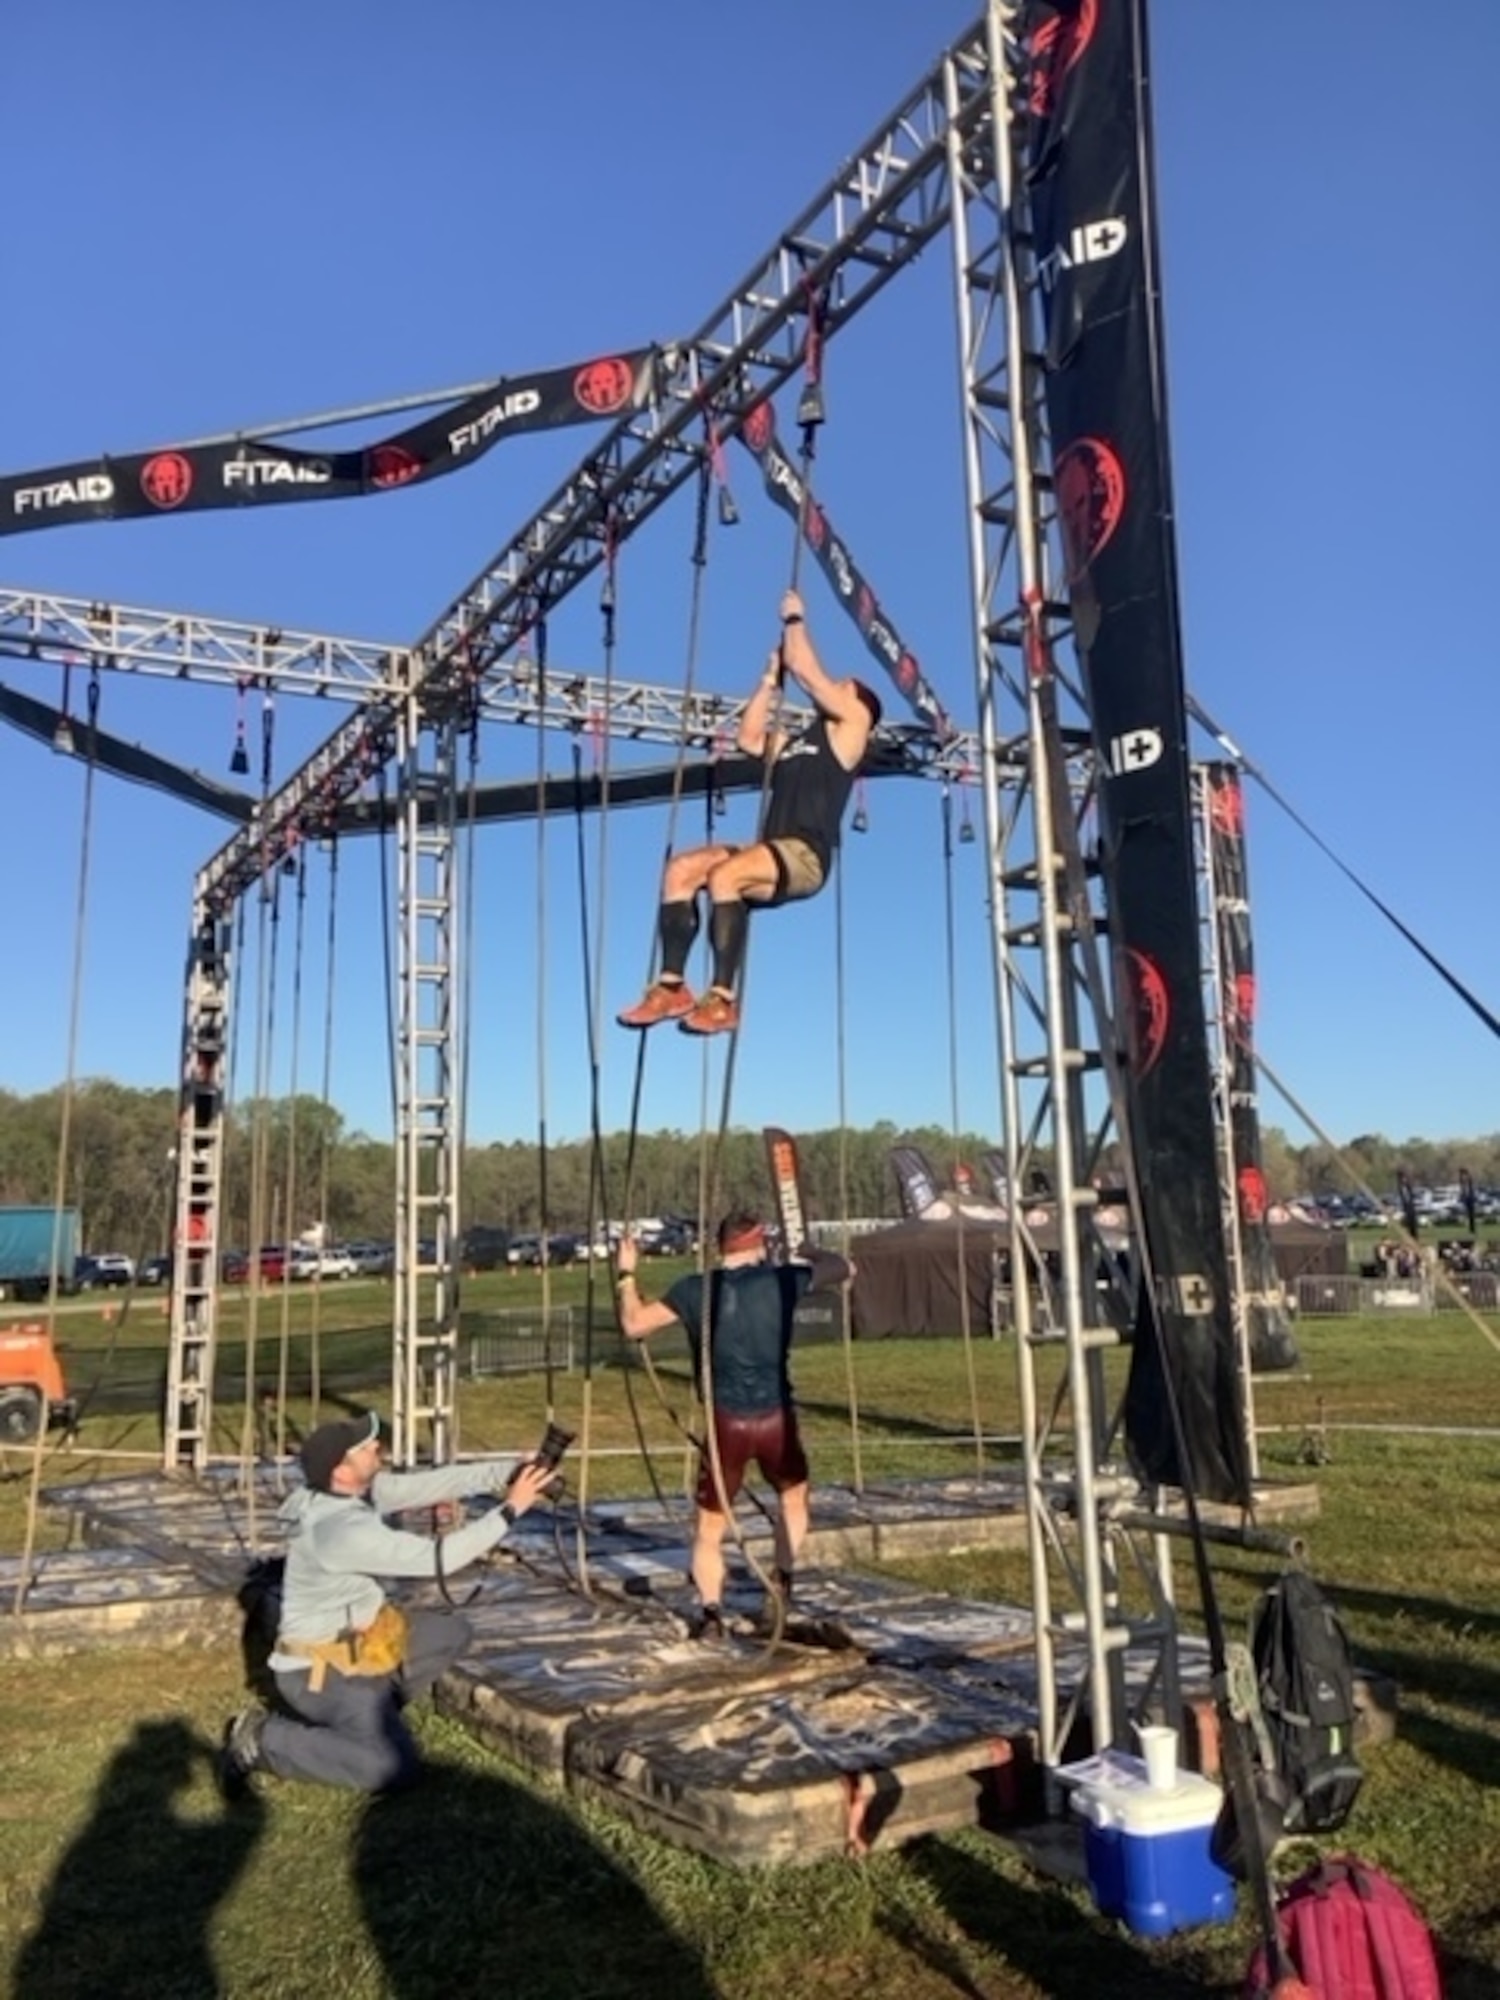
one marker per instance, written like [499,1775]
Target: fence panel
[516,1340]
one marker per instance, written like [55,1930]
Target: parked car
[306,1263]
[373,1260]
[483,1248]
[155,1271]
[234,1266]
[675,1238]
[109,1269]
[528,1250]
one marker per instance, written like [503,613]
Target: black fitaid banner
[831,553]
[256,472]
[1091,214]
[1267,1322]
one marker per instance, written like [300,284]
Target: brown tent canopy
[913,1277]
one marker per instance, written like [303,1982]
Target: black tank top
[808,793]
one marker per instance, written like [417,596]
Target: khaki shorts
[799,869]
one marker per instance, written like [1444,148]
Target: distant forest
[121,1169]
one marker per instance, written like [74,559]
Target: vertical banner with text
[1268,1324]
[1092,221]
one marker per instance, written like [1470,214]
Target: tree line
[291,1162]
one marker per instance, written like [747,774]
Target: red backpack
[1352,1935]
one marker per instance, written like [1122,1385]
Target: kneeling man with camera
[346,1660]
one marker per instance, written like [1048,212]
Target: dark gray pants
[352,1732]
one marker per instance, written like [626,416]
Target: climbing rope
[951,963]
[65,1122]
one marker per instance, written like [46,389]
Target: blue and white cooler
[1147,1847]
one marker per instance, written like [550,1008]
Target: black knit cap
[329,1445]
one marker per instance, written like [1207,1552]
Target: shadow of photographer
[471,1884]
[130,1907]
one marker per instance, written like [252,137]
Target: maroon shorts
[771,1441]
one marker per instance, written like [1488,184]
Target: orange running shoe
[662,1001]
[715,1014]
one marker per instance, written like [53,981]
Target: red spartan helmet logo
[1149,1013]
[1244,1008]
[760,426]
[1226,807]
[393,465]
[1090,500]
[864,610]
[1056,47]
[167,479]
[815,525]
[906,673]
[1251,1183]
[603,386]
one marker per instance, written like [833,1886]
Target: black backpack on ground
[1305,1677]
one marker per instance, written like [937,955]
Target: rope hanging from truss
[65,1121]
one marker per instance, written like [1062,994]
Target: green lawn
[119,1874]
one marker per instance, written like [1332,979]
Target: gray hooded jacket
[338,1546]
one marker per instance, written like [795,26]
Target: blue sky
[219,217]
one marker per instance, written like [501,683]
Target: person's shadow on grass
[129,1909]
[472,1884]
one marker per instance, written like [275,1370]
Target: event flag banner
[1091,213]
[785,485]
[258,472]
[1268,1324]
[786,1185]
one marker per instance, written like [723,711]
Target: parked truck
[31,1382]
[27,1238]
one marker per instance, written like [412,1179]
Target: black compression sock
[677,927]
[728,928]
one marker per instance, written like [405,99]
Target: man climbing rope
[811,776]
[347,1661]
[746,1384]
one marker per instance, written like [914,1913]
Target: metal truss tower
[428,1095]
[1056,1040]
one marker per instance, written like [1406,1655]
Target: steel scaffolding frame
[1220,1062]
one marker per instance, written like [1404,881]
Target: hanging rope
[65,1126]
[951,965]
[297,861]
[466,925]
[810,416]
[846,1316]
[710,467]
[269,930]
[325,1149]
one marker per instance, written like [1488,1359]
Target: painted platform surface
[879,1712]
[76,1599]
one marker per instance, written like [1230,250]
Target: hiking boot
[664,1000]
[715,1014]
[239,1754]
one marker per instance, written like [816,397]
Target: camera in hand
[553,1445]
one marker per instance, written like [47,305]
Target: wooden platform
[882,1712]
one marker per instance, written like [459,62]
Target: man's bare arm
[751,737]
[840,701]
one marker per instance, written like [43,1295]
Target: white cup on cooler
[1159,1752]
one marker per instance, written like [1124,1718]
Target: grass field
[120,1874]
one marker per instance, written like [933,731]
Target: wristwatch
[508,1514]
